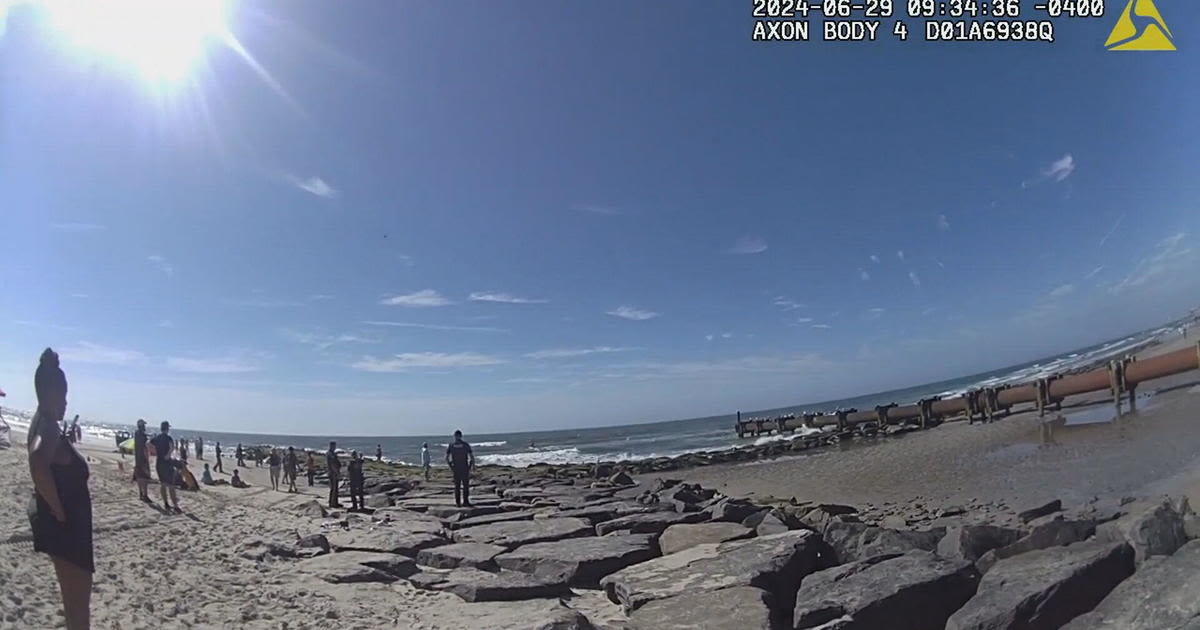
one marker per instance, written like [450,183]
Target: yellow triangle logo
[1140,27]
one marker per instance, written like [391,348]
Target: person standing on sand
[219,468]
[378,452]
[239,455]
[357,501]
[333,467]
[425,459]
[462,462]
[163,445]
[199,448]
[274,462]
[141,460]
[61,507]
[310,467]
[291,464]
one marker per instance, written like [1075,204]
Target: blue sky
[380,217]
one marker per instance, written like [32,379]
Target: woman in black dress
[60,511]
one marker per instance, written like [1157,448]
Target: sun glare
[160,39]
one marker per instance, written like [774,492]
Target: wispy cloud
[822,326]
[88,352]
[914,279]
[594,208]
[406,260]
[1060,169]
[804,320]
[1062,291]
[1171,255]
[786,304]
[262,302]
[943,224]
[900,254]
[709,337]
[629,312]
[875,259]
[422,298]
[211,365]
[319,297]
[162,264]
[417,360]
[503,298]
[530,380]
[51,326]
[79,296]
[314,185]
[1112,230]
[77,227]
[748,245]
[323,341]
[1091,274]
[166,323]
[566,353]
[874,313]
[863,275]
[489,329]
[704,369]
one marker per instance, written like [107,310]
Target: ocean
[649,440]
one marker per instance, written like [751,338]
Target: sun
[162,40]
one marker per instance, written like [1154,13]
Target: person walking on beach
[310,465]
[239,456]
[333,467]
[274,462]
[357,501]
[141,461]
[425,464]
[461,461]
[217,450]
[183,451]
[74,433]
[199,448]
[378,452]
[163,445]
[291,464]
[61,508]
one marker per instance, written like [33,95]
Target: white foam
[778,437]
[489,444]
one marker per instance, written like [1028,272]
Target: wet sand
[1074,455]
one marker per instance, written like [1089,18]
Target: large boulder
[649,522]
[534,614]
[384,540]
[1039,511]
[596,514]
[1045,589]
[774,563]
[375,501]
[913,591]
[409,521]
[731,509]
[516,533]
[580,561]
[474,585]
[822,515]
[679,537]
[1164,593]
[969,542]
[477,555]
[742,607]
[498,517]
[1152,529]
[358,566]
[311,508]
[1054,533]
[851,542]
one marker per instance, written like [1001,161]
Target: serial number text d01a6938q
[987,30]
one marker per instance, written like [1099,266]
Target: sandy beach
[201,569]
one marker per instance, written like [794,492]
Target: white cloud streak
[943,224]
[1170,256]
[914,279]
[315,186]
[489,329]
[421,299]
[875,259]
[595,208]
[503,298]
[211,365]
[566,353]
[88,352]
[1061,168]
[1062,291]
[631,313]
[863,275]
[162,264]
[747,245]
[418,360]
[77,227]
[900,254]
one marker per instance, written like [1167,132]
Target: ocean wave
[800,432]
[489,444]
[569,455]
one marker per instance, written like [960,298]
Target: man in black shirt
[357,500]
[141,460]
[239,456]
[163,445]
[333,466]
[461,461]
[219,468]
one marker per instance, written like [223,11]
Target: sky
[381,217]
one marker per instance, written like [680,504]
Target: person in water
[141,460]
[275,463]
[163,445]
[60,512]
[461,461]
[291,466]
[425,459]
[357,500]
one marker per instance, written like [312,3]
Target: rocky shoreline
[668,554]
